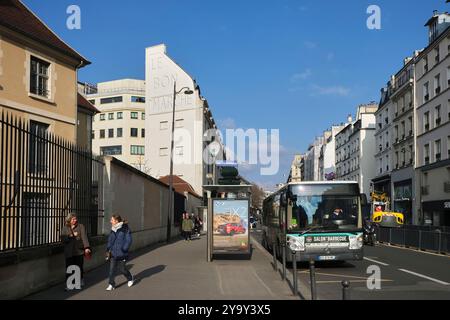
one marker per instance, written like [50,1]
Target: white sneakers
[130,284]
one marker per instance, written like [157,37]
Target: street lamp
[170,204]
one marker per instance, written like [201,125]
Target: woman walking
[76,244]
[187,226]
[119,242]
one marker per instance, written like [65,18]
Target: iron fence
[418,237]
[43,178]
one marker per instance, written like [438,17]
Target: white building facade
[119,129]
[295,174]
[355,149]
[432,96]
[311,161]
[327,159]
[192,119]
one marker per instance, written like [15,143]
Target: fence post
[420,239]
[404,237]
[283,247]
[312,273]
[345,290]
[294,272]
[439,240]
[274,250]
[390,236]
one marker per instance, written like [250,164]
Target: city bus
[321,221]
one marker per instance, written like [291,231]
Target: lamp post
[172,143]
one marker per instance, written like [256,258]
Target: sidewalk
[179,271]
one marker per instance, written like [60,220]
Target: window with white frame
[426,121]
[179,151]
[179,123]
[410,126]
[437,84]
[437,150]
[426,93]
[163,152]
[137,150]
[448,77]
[426,153]
[163,125]
[437,115]
[39,77]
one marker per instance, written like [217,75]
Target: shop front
[437,213]
[403,200]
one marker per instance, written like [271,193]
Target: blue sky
[295,65]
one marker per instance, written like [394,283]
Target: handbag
[108,256]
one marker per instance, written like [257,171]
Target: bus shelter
[228,220]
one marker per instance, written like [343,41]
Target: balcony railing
[427,160]
[438,157]
[427,97]
[438,90]
[438,121]
[427,127]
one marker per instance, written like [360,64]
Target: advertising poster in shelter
[230,226]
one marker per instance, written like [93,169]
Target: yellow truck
[382,215]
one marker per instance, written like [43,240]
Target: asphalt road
[405,275]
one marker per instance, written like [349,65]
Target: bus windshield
[330,207]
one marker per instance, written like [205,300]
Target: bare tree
[141,165]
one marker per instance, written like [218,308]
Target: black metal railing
[436,239]
[43,178]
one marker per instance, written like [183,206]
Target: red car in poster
[231,229]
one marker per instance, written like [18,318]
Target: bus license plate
[327,258]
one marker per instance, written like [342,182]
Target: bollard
[345,290]
[312,273]
[294,272]
[283,247]
[439,241]
[274,249]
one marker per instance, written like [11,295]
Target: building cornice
[37,111]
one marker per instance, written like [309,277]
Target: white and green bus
[321,221]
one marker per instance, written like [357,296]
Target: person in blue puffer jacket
[119,242]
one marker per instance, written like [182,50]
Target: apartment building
[295,174]
[355,148]
[119,129]
[194,158]
[432,95]
[394,140]
[327,158]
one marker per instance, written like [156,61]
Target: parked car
[231,229]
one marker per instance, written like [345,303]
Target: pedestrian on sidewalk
[187,226]
[119,242]
[76,245]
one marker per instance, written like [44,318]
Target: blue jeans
[119,265]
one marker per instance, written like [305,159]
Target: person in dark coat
[76,244]
[119,242]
